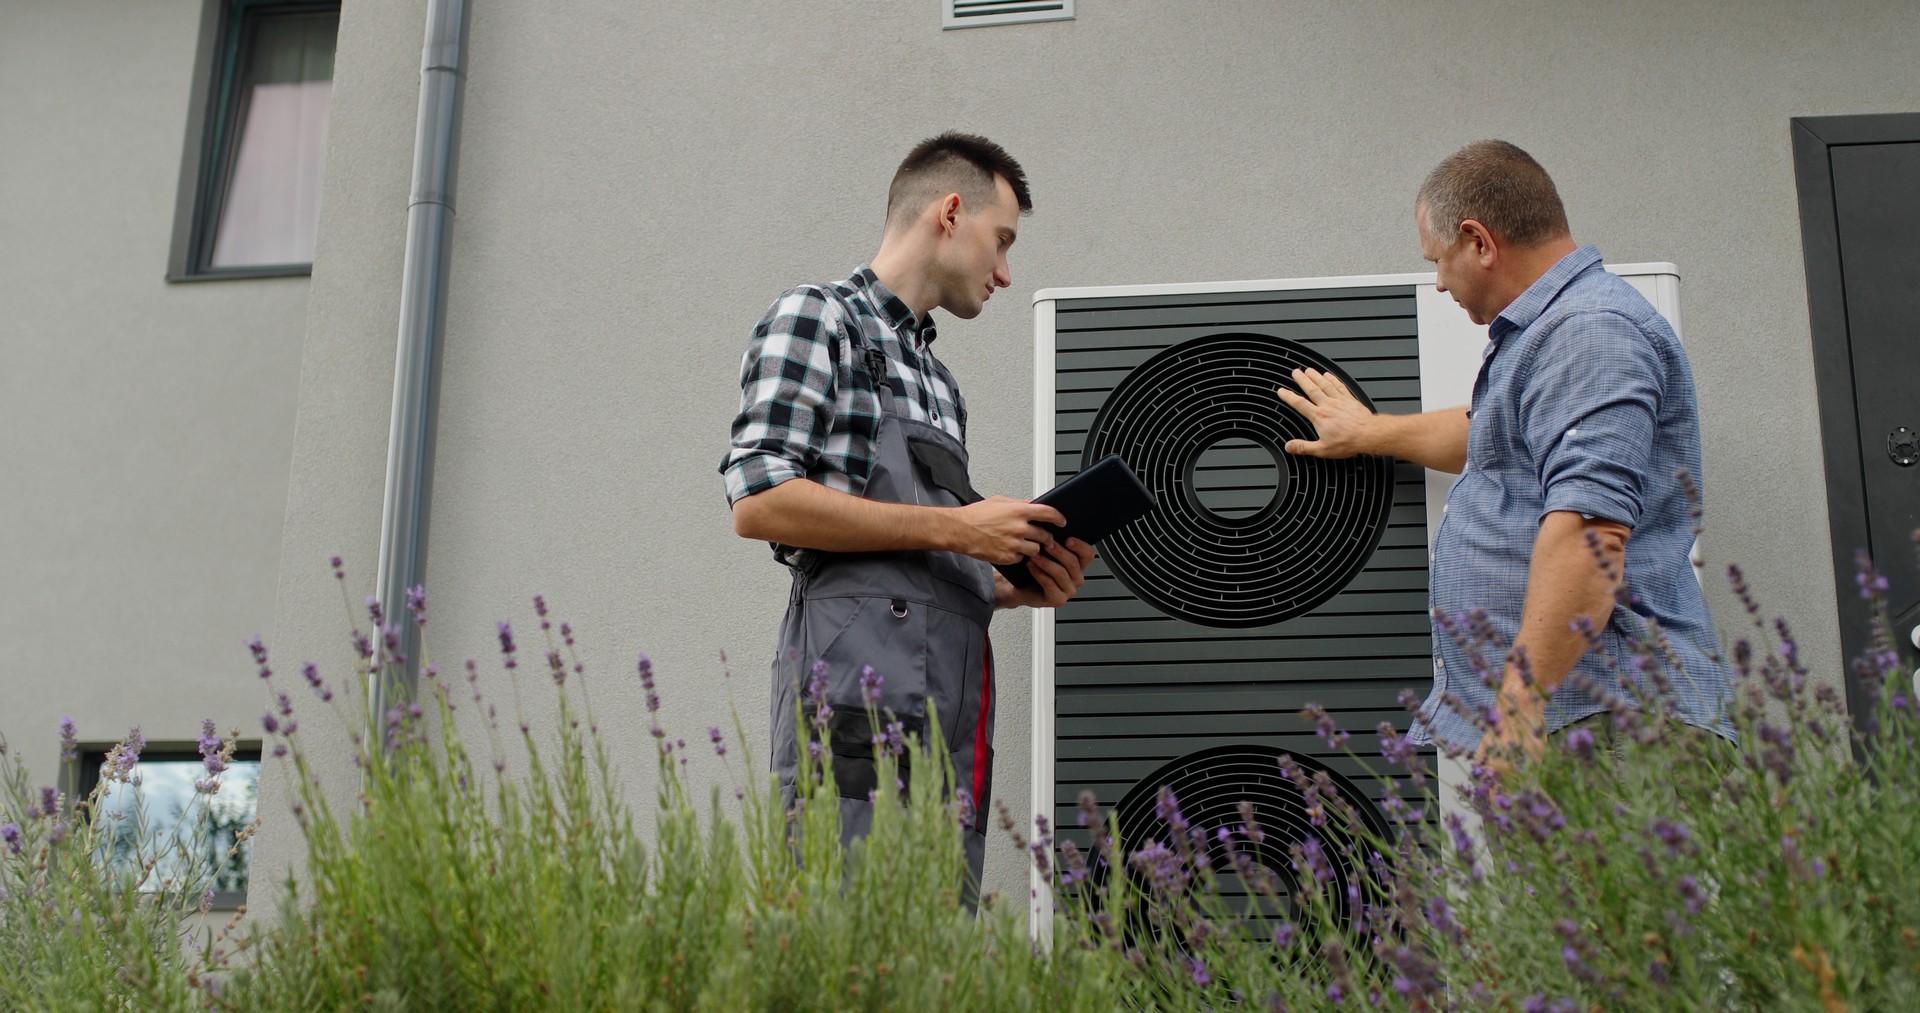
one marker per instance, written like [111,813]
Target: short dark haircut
[1497,185]
[953,163]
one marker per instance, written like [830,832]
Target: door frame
[1814,137]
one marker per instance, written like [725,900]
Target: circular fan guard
[1209,787]
[1283,560]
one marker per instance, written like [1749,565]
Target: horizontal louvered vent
[979,13]
[1139,685]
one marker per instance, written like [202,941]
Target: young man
[849,455]
[1582,416]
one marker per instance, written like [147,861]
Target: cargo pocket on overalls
[890,634]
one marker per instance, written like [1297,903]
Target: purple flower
[540,608]
[122,757]
[69,740]
[1870,581]
[719,744]
[506,642]
[1073,864]
[1335,994]
[1199,971]
[58,833]
[870,681]
[1579,741]
[311,672]
[1396,748]
[49,801]
[270,723]
[1167,807]
[417,603]
[1163,867]
[1463,846]
[896,737]
[1311,858]
[10,833]
[1324,725]
[1675,836]
[1695,897]
[646,683]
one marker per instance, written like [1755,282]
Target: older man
[1583,419]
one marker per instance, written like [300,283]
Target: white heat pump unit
[1262,582]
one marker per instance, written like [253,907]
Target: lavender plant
[457,882]
[96,911]
[1668,870]
[1672,870]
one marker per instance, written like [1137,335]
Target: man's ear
[1486,249]
[948,217]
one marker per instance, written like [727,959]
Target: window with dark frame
[151,816]
[250,186]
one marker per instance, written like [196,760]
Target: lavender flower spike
[69,740]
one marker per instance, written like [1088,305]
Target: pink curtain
[272,208]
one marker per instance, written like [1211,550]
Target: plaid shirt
[1584,403]
[807,406]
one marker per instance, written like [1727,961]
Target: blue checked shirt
[807,407]
[1584,403]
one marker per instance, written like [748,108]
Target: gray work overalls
[919,618]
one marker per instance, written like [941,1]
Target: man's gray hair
[1497,185]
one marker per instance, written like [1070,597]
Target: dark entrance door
[1859,179]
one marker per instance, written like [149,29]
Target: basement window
[160,815]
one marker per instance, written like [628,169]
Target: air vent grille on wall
[979,13]
[1200,424]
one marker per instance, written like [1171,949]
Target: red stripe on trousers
[980,743]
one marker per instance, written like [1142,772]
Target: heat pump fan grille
[1235,568]
[1209,787]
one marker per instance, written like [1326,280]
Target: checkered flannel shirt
[807,406]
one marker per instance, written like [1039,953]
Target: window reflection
[162,817]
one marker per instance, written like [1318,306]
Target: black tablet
[1096,502]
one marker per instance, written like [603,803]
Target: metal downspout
[423,304]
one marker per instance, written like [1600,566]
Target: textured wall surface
[146,428]
[639,180]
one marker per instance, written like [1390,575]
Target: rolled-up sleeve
[787,383]
[1589,412]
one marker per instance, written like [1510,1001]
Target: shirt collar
[1522,312]
[891,308]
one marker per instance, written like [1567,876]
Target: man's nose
[1003,275]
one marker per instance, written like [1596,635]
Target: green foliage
[1678,871]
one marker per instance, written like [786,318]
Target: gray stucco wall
[145,428]
[639,180]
